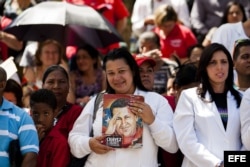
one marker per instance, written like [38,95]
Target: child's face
[43,116]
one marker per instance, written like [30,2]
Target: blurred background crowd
[165,37]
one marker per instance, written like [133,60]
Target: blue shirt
[15,123]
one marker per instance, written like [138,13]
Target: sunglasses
[241,41]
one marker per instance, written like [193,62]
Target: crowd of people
[190,67]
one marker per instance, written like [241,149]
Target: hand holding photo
[122,128]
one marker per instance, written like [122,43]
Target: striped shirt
[15,123]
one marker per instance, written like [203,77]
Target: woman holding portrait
[122,78]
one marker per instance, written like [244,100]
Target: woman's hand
[143,110]
[96,145]
[112,125]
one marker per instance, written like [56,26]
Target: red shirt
[113,10]
[54,150]
[177,41]
[67,120]
[171,101]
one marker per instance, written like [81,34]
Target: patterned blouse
[83,89]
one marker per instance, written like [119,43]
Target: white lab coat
[245,119]
[200,132]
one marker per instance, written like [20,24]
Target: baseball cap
[141,59]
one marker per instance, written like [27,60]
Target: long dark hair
[123,53]
[203,78]
[226,11]
[93,53]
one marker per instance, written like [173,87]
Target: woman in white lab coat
[245,119]
[207,120]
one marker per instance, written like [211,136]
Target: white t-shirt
[228,33]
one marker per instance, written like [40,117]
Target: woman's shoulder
[147,93]
[151,95]
[73,110]
[75,107]
[247,92]
[189,92]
